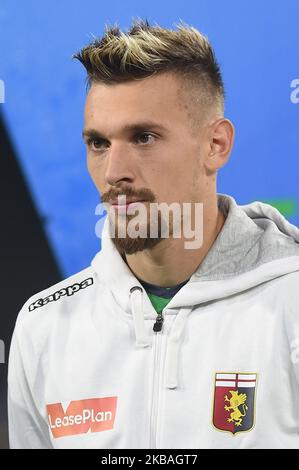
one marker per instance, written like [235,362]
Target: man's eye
[145,138]
[96,144]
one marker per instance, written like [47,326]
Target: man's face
[142,146]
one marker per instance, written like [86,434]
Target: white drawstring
[142,337]
[173,348]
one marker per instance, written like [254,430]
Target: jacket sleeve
[27,428]
[292,328]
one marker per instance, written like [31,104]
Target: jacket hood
[256,244]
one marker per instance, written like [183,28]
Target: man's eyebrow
[93,133]
[135,127]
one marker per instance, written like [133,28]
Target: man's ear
[220,142]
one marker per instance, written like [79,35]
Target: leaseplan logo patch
[82,416]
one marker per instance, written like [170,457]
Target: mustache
[143,194]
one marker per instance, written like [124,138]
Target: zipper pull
[159,323]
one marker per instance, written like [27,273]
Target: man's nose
[119,165]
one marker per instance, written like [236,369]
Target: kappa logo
[70,290]
[234,400]
[82,416]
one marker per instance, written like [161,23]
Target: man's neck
[169,263]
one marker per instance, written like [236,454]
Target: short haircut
[146,50]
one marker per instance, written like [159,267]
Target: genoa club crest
[234,400]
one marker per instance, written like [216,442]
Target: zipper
[157,340]
[159,323]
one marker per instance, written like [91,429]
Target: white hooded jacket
[86,369]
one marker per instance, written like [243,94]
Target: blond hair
[147,50]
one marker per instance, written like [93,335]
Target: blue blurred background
[256,43]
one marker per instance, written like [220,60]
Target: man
[159,344]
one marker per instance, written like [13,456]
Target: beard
[118,224]
[132,234]
[129,245]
